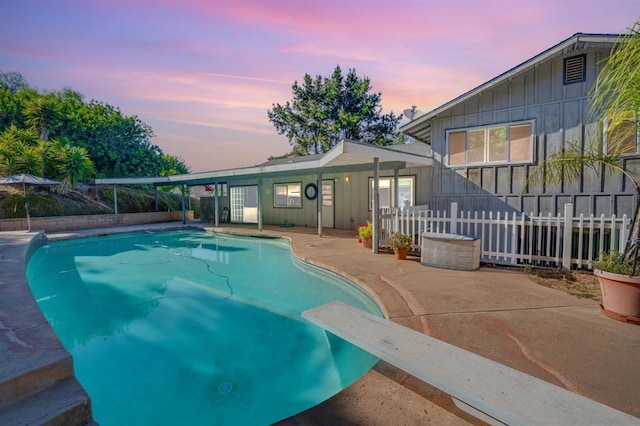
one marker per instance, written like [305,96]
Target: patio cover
[347,156]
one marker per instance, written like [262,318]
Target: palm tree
[74,164]
[18,153]
[615,99]
[42,113]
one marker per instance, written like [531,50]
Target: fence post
[566,243]
[454,218]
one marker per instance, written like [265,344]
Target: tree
[42,113]
[325,111]
[74,164]
[12,80]
[615,99]
[172,165]
[118,145]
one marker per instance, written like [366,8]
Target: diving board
[493,392]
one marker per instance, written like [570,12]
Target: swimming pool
[194,328]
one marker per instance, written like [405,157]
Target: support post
[319,204]
[216,205]
[184,212]
[155,197]
[396,192]
[115,199]
[375,213]
[259,204]
[566,236]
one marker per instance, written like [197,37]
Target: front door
[327,204]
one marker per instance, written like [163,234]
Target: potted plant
[615,102]
[365,234]
[620,285]
[401,243]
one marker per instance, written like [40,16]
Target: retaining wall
[68,223]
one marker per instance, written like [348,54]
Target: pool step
[31,370]
[37,383]
[65,403]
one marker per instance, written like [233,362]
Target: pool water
[194,328]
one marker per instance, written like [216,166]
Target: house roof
[346,156]
[420,128]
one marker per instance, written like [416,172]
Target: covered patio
[346,157]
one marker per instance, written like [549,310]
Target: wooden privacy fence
[553,241]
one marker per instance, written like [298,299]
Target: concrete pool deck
[498,314]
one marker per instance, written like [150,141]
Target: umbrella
[25,179]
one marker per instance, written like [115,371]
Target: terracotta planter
[367,243]
[620,296]
[401,254]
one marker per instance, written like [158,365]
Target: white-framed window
[495,144]
[406,191]
[287,195]
[625,139]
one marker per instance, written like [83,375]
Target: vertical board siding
[561,115]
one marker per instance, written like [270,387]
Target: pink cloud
[204,73]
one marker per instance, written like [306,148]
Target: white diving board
[492,392]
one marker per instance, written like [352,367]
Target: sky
[204,73]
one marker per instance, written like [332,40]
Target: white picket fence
[553,241]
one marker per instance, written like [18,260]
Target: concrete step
[65,403]
[34,360]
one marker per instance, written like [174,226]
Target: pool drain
[224,388]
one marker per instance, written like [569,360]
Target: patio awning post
[216,206]
[26,205]
[184,211]
[115,199]
[259,204]
[396,185]
[155,196]
[319,204]
[375,213]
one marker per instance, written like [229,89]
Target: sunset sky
[203,73]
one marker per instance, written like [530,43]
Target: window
[406,187]
[287,195]
[507,143]
[575,69]
[622,137]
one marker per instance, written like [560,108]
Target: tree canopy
[327,110]
[60,136]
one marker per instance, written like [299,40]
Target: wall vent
[575,69]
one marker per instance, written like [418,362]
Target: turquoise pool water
[192,328]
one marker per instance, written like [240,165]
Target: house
[486,140]
[288,191]
[331,190]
